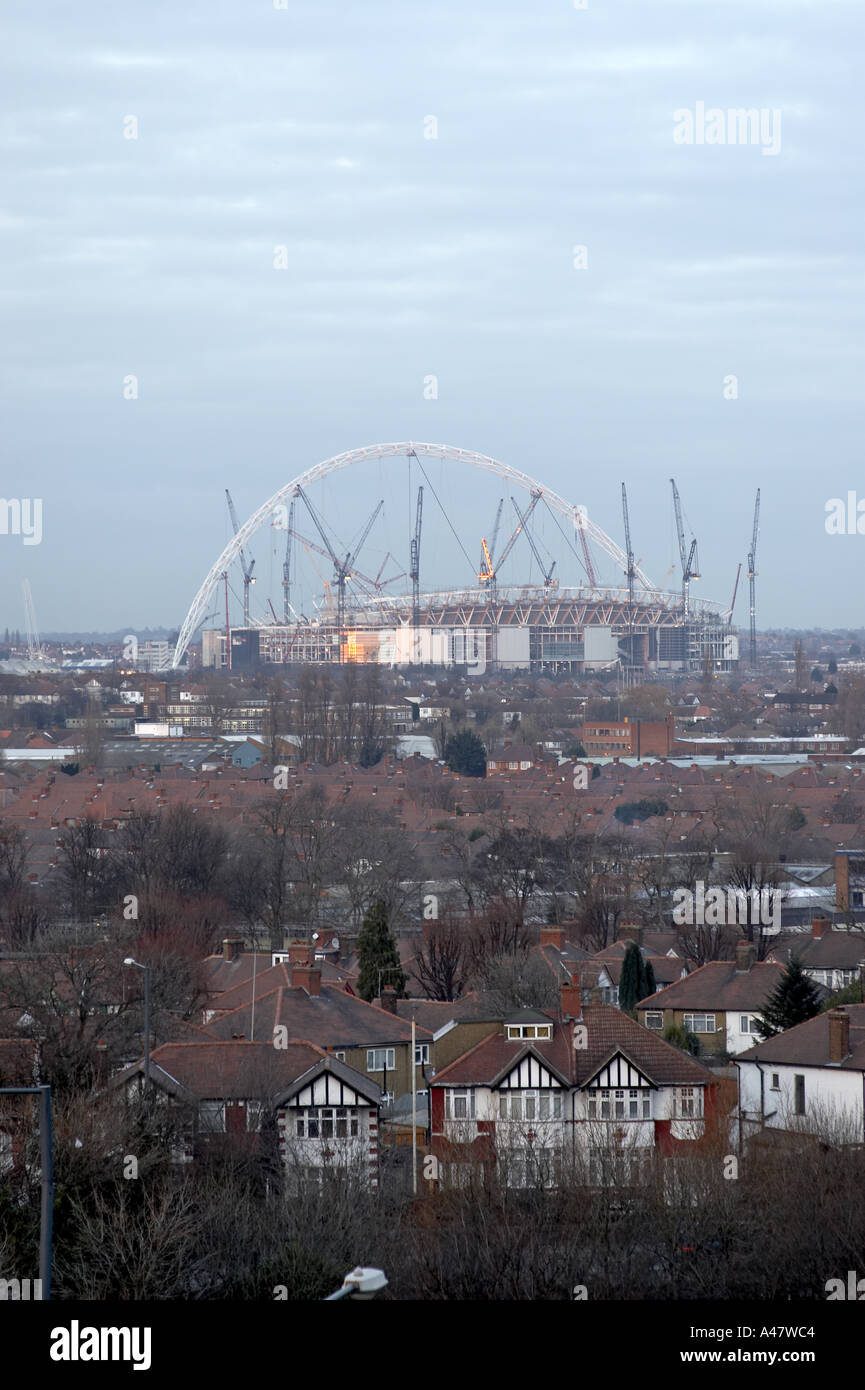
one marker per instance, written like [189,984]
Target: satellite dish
[315,936]
[335,943]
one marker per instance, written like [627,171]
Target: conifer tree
[794,1000]
[377,955]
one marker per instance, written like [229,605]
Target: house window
[421,1055]
[518,1031]
[776,1082]
[747,1024]
[328,1122]
[254,1112]
[461,1105]
[700,1023]
[340,1056]
[211,1115]
[799,1094]
[654,1018]
[530,1105]
[632,1104]
[380,1059]
[690,1102]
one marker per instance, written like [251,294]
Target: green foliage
[465,754]
[850,994]
[816,674]
[637,978]
[377,956]
[682,1038]
[832,668]
[794,1000]
[476,834]
[640,810]
[576,750]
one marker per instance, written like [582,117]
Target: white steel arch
[574,513]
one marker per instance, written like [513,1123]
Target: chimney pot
[744,955]
[839,1035]
[631,931]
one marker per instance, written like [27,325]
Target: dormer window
[519,1031]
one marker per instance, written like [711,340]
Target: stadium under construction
[491,625]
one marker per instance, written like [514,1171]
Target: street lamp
[146,969]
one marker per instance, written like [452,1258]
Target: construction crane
[579,520]
[752,574]
[286,564]
[34,646]
[364,581]
[342,568]
[690,561]
[414,569]
[485,572]
[630,573]
[547,573]
[489,574]
[247,568]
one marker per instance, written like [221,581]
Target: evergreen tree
[633,982]
[465,753]
[832,668]
[794,1000]
[377,956]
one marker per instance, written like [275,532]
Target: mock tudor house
[719,1002]
[587,1095]
[325,1113]
[809,1079]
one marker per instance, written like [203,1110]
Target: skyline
[407,257]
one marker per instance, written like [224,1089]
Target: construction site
[492,621]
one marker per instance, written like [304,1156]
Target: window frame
[706,1031]
[389,1063]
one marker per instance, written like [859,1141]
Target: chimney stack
[819,925]
[231,947]
[744,955]
[299,953]
[306,977]
[839,1036]
[572,1000]
[630,931]
[388,999]
[553,936]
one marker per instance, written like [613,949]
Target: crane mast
[34,646]
[286,564]
[342,568]
[689,558]
[752,574]
[247,568]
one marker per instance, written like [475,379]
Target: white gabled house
[588,1091]
[809,1079]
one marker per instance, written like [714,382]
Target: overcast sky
[411,257]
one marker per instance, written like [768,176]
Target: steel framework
[275,507]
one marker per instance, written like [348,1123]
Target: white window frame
[464,1095]
[689,1102]
[389,1063]
[655,1013]
[708,1021]
[208,1112]
[421,1054]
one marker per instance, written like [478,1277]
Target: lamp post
[146,969]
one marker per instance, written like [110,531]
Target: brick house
[719,1002]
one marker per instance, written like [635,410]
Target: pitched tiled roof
[807,1044]
[226,1070]
[329,1019]
[719,985]
[608,1031]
